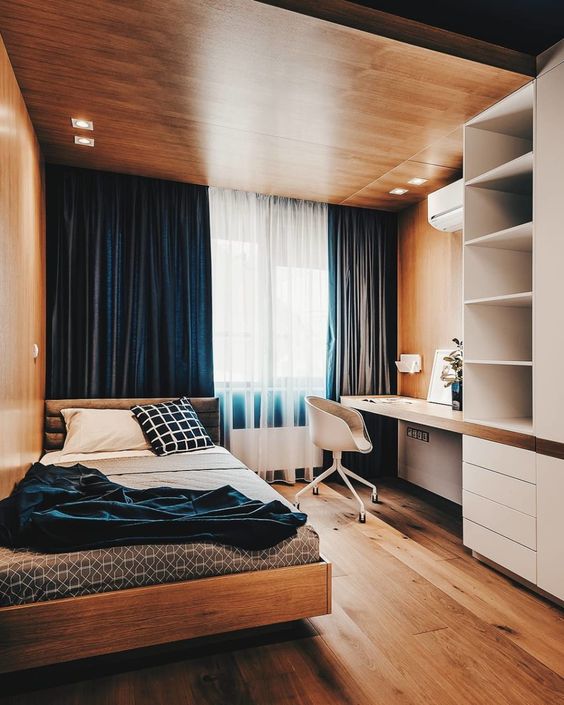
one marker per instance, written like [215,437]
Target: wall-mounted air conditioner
[445,207]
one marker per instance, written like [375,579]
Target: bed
[60,607]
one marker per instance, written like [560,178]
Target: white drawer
[508,491]
[508,522]
[506,553]
[515,462]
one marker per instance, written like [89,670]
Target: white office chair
[337,428]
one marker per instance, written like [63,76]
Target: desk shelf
[503,428]
[516,424]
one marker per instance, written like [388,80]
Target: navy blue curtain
[363,322]
[129,308]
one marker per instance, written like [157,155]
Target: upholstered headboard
[207,409]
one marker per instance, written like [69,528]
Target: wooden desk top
[436,416]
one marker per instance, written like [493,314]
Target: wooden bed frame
[45,633]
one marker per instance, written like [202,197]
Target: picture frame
[438,393]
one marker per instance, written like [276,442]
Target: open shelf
[515,176]
[511,116]
[498,334]
[487,211]
[488,151]
[517,424]
[519,238]
[493,273]
[494,391]
[522,363]
[521,300]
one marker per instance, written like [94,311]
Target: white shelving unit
[512,496]
[498,264]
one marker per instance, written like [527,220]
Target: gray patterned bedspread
[27,576]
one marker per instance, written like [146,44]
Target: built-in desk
[492,475]
[436,416]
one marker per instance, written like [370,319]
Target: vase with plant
[451,374]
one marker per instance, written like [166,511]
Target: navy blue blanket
[56,509]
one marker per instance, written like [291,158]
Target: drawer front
[506,553]
[507,460]
[510,523]
[508,491]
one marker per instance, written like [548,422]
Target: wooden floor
[415,621]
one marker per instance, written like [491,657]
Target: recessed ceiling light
[84,141]
[82,124]
[417,181]
[398,191]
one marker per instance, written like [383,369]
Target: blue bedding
[56,509]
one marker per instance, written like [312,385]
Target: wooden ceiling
[241,94]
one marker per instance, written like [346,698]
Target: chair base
[345,473]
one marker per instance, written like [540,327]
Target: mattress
[28,576]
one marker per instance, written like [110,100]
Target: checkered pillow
[172,427]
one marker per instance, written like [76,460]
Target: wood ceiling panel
[231,159]
[237,93]
[440,164]
[394,26]
[444,152]
[377,194]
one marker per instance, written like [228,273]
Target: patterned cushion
[172,427]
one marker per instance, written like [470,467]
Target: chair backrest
[335,427]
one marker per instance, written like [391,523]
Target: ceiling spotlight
[84,141]
[398,191]
[82,124]
[417,181]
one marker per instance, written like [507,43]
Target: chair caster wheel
[316,490]
[362,518]
[297,505]
[375,498]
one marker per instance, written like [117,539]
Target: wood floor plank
[323,677]
[533,623]
[477,671]
[383,679]
[115,690]
[371,585]
[213,679]
[413,517]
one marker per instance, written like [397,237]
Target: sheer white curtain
[270,308]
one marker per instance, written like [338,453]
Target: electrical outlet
[417,434]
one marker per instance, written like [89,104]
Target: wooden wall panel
[429,293]
[22,290]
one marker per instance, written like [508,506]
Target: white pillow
[95,430]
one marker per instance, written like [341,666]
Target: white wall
[436,465]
